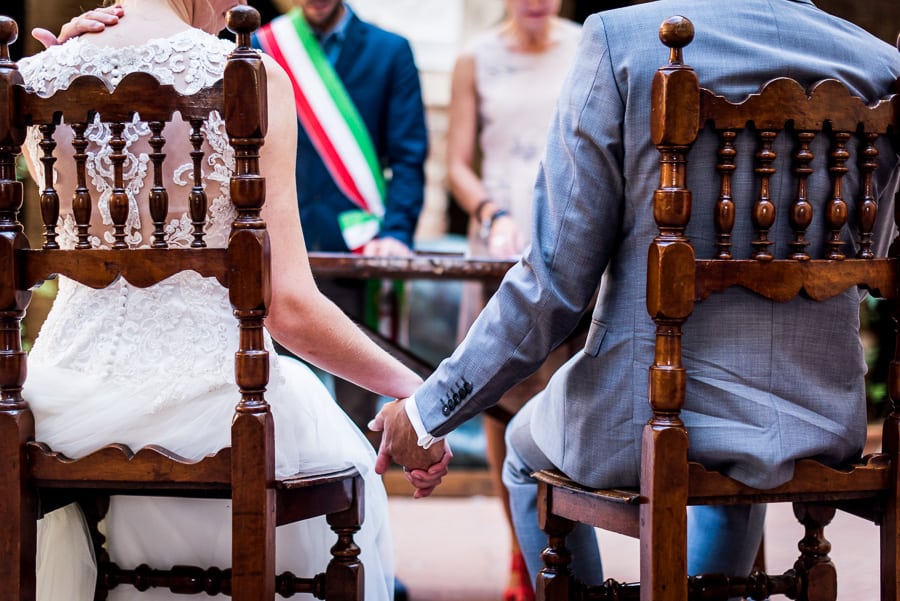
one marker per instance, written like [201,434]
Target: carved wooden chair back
[33,478]
[819,263]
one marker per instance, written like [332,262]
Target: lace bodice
[183,325]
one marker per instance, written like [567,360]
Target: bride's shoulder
[276,76]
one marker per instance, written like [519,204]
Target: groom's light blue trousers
[720,539]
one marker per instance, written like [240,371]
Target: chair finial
[242,21]
[676,32]
[9,33]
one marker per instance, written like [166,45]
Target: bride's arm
[301,318]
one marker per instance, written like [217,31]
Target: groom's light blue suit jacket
[748,410]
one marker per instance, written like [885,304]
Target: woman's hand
[505,240]
[93,21]
[428,479]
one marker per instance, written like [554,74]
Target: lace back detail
[127,183]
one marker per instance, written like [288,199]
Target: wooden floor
[456,549]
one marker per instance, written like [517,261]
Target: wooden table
[434,266]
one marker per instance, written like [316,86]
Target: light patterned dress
[517,93]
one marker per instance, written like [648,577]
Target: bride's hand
[427,480]
[92,21]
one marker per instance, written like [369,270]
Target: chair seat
[812,482]
[309,479]
[117,468]
[560,496]
[303,496]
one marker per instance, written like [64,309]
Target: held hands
[423,468]
[92,21]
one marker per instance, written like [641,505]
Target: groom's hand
[424,468]
[92,21]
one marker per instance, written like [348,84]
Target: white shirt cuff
[424,439]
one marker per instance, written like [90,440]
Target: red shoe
[520,587]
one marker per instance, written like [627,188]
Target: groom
[593,223]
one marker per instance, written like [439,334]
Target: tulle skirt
[312,433]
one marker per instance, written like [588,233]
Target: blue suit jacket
[747,411]
[380,75]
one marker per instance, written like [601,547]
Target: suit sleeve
[577,215]
[406,148]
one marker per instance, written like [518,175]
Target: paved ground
[451,549]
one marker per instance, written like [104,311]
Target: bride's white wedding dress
[156,366]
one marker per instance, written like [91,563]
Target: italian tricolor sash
[332,122]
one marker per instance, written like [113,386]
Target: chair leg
[890,553]
[18,506]
[819,576]
[555,581]
[344,576]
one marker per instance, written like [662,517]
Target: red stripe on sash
[327,152]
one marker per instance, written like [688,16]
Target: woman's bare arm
[301,318]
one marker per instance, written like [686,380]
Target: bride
[155,366]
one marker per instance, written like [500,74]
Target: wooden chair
[676,280]
[33,478]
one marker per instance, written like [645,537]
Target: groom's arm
[578,208]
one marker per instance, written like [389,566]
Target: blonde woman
[504,91]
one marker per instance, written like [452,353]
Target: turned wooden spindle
[197,200]
[724,212]
[764,209]
[867,208]
[118,201]
[836,209]
[81,198]
[159,196]
[801,210]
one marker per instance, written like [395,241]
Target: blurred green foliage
[877,331]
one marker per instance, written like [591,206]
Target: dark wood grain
[419,266]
